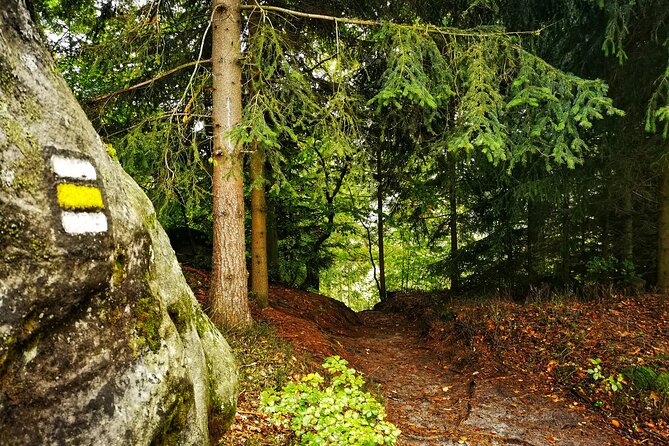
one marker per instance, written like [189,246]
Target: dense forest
[473,146]
[469,145]
[366,150]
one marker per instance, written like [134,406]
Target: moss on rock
[148,319]
[175,420]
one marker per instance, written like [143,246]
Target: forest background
[472,145]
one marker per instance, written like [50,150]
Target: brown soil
[447,395]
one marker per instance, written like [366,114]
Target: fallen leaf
[655,397]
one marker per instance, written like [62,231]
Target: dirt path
[443,398]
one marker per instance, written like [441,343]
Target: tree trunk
[453,224]
[313,278]
[628,228]
[228,292]
[535,225]
[259,274]
[565,236]
[663,235]
[272,243]
[379,222]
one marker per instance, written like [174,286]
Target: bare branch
[146,82]
[427,28]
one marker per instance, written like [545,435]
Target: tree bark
[379,222]
[272,242]
[312,280]
[663,235]
[228,293]
[565,236]
[259,273]
[453,224]
[628,228]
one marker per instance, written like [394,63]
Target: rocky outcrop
[101,340]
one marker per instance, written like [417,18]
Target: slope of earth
[610,355]
[443,381]
[447,394]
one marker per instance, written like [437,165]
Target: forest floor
[491,372]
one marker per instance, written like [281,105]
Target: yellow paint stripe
[75,197]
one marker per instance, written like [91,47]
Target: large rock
[101,340]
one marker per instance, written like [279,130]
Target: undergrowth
[265,362]
[330,410]
[552,339]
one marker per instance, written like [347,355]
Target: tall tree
[228,291]
[433,90]
[259,252]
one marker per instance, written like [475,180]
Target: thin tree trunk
[313,278]
[228,292]
[259,274]
[535,227]
[565,266]
[453,224]
[371,256]
[606,229]
[313,265]
[663,235]
[272,243]
[628,228]
[379,222]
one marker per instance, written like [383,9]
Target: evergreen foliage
[550,166]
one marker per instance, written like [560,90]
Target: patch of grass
[265,362]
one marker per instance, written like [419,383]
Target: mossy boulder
[101,340]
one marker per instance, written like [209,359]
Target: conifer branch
[362,22]
[146,82]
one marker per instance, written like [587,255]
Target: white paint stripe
[73,168]
[84,222]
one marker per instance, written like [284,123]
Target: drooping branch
[147,82]
[362,22]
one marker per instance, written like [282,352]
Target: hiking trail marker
[79,195]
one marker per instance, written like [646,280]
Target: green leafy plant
[330,410]
[596,370]
[612,383]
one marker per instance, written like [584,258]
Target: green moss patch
[646,378]
[175,421]
[147,328]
